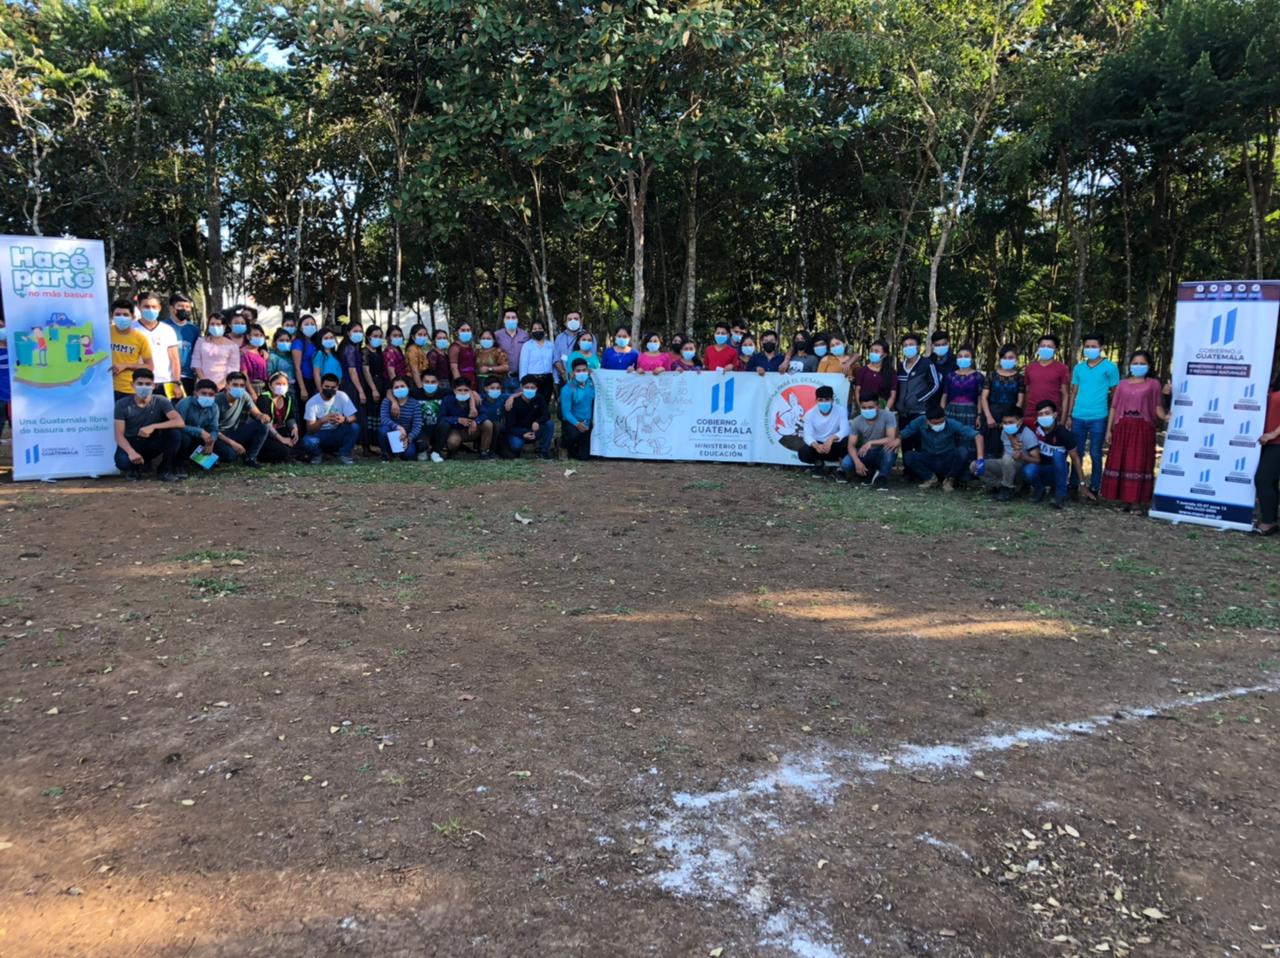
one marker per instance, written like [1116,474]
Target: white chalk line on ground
[711,837]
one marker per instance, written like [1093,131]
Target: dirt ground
[682,710]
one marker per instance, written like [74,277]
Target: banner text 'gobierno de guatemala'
[1223,342]
[57,324]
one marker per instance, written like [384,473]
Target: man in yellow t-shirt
[130,349]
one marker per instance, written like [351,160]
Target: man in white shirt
[826,427]
[164,348]
[331,423]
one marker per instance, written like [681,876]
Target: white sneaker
[422,457]
[436,457]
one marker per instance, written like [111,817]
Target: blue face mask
[443,344]
[151,315]
[819,351]
[721,339]
[420,341]
[622,342]
[1092,352]
[838,350]
[239,328]
[123,322]
[235,392]
[737,338]
[910,352]
[941,350]
[397,341]
[430,388]
[688,355]
[1008,364]
[494,393]
[257,342]
[869,414]
[587,347]
[653,347]
[964,362]
[356,337]
[529,393]
[1045,421]
[748,351]
[462,397]
[825,407]
[375,343]
[141,391]
[204,402]
[401,392]
[1137,369]
[874,358]
[511,324]
[330,344]
[308,329]
[580,377]
[215,331]
[285,348]
[1011,429]
[486,344]
[464,337]
[1045,352]
[938,426]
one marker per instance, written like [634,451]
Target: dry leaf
[1070,831]
[187,801]
[822,862]
[466,697]
[522,520]
[52,711]
[947,932]
[334,729]
[5,845]
[715,953]
[1155,914]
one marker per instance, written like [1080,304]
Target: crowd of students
[308,390]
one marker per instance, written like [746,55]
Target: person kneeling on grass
[493,410]
[826,427]
[944,450]
[873,443]
[1019,449]
[402,416]
[331,423]
[200,418]
[242,429]
[577,411]
[528,421]
[147,428]
[1058,446]
[460,421]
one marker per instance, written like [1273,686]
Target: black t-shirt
[135,417]
[525,412]
[1056,439]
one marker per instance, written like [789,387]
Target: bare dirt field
[681,710]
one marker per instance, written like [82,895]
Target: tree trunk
[1260,187]
[691,256]
[637,195]
[213,204]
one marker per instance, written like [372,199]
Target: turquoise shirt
[1094,385]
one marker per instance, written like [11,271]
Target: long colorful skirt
[1130,472]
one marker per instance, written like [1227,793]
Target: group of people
[310,390]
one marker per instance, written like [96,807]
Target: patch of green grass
[1129,566]
[214,555]
[1248,617]
[905,511]
[455,474]
[364,768]
[450,829]
[707,485]
[55,792]
[217,587]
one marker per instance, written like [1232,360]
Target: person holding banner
[768,359]
[621,355]
[722,355]
[1267,478]
[147,428]
[654,359]
[1130,472]
[130,349]
[826,429]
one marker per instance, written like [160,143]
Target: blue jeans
[924,465]
[876,459]
[340,439]
[410,448]
[1089,434]
[1052,469]
[516,441]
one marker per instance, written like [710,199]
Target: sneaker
[347,460]
[817,472]
[948,485]
[182,473]
[423,457]
[486,455]
[1004,494]
[134,474]
[1058,501]
[880,482]
[436,457]
[252,464]
[842,477]
[874,476]
[929,483]
[167,477]
[317,459]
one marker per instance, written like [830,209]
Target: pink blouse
[648,362]
[211,360]
[1137,400]
[253,365]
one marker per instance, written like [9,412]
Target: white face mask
[280,389]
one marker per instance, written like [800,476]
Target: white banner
[704,416]
[1224,339]
[57,319]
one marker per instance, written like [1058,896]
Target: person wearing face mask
[737,333]
[686,360]
[837,360]
[401,415]
[800,358]
[237,325]
[653,358]
[1136,412]
[165,352]
[438,359]
[944,361]
[1092,382]
[351,359]
[721,355]
[460,421]
[280,362]
[200,419]
[768,358]
[130,349]
[147,428]
[620,356]
[875,378]
[491,360]
[586,351]
[181,321]
[432,438]
[528,421]
[415,357]
[253,357]
[565,343]
[1002,391]
[511,339]
[943,455]
[917,388]
[215,356]
[1047,379]
[377,378]
[1019,448]
[493,410]
[305,347]
[577,411]
[1058,452]
[538,359]
[242,427]
[827,362]
[330,423]
[462,358]
[873,443]
[962,389]
[393,355]
[826,429]
[276,402]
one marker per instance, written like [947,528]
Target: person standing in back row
[918,386]
[1130,474]
[166,353]
[130,349]
[1047,380]
[1092,382]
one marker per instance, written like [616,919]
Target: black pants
[162,444]
[811,457]
[273,450]
[251,434]
[546,387]
[912,443]
[574,442]
[1267,482]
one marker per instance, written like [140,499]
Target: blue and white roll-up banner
[57,320]
[1224,339]
[706,416]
